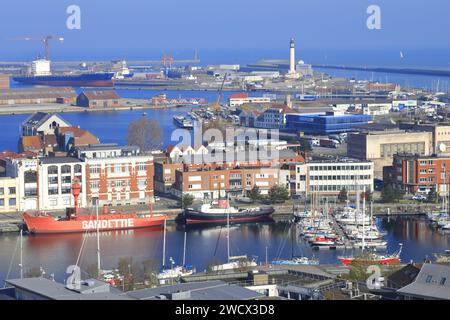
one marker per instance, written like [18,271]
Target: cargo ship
[74,222]
[41,75]
[222,212]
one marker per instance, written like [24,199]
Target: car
[419,197]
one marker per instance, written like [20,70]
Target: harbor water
[54,253]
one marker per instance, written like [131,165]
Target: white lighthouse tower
[292,70]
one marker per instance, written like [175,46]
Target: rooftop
[101,95]
[89,290]
[433,281]
[56,160]
[205,290]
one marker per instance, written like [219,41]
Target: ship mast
[164,244]
[98,241]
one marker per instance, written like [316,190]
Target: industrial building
[9,198]
[98,99]
[37,96]
[325,124]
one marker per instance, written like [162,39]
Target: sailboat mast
[164,244]
[364,219]
[21,253]
[228,235]
[184,249]
[98,242]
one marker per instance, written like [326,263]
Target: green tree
[342,197]
[305,145]
[33,273]
[387,194]
[187,200]
[254,193]
[278,194]
[151,268]
[92,271]
[432,195]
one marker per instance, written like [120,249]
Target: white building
[328,178]
[44,184]
[56,175]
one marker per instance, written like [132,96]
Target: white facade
[329,178]
[40,67]
[376,109]
[273,118]
[25,170]
[55,183]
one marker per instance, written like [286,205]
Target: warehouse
[36,95]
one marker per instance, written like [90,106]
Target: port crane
[46,41]
[216,106]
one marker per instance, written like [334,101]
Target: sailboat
[368,258]
[233,262]
[174,272]
[296,261]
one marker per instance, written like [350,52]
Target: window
[66,190]
[442,282]
[77,168]
[94,169]
[52,180]
[428,279]
[65,169]
[95,184]
[141,166]
[12,201]
[53,190]
[2,202]
[52,170]
[142,183]
[66,179]
[2,191]
[30,177]
[117,168]
[12,190]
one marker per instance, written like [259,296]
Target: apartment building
[9,197]
[210,184]
[45,183]
[328,178]
[413,173]
[117,175]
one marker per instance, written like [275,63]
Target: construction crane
[46,41]
[216,106]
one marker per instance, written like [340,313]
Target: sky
[230,30]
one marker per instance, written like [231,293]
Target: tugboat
[75,222]
[218,213]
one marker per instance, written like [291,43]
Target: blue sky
[225,28]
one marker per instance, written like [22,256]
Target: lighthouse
[292,56]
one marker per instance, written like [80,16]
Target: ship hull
[83,80]
[48,225]
[386,261]
[196,217]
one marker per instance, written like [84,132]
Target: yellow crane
[216,106]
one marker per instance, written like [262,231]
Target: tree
[389,194]
[187,200]
[145,133]
[342,197]
[305,145]
[432,195]
[254,193]
[369,196]
[278,194]
[129,271]
[151,268]
[33,273]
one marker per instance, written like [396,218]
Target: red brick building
[117,175]
[413,173]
